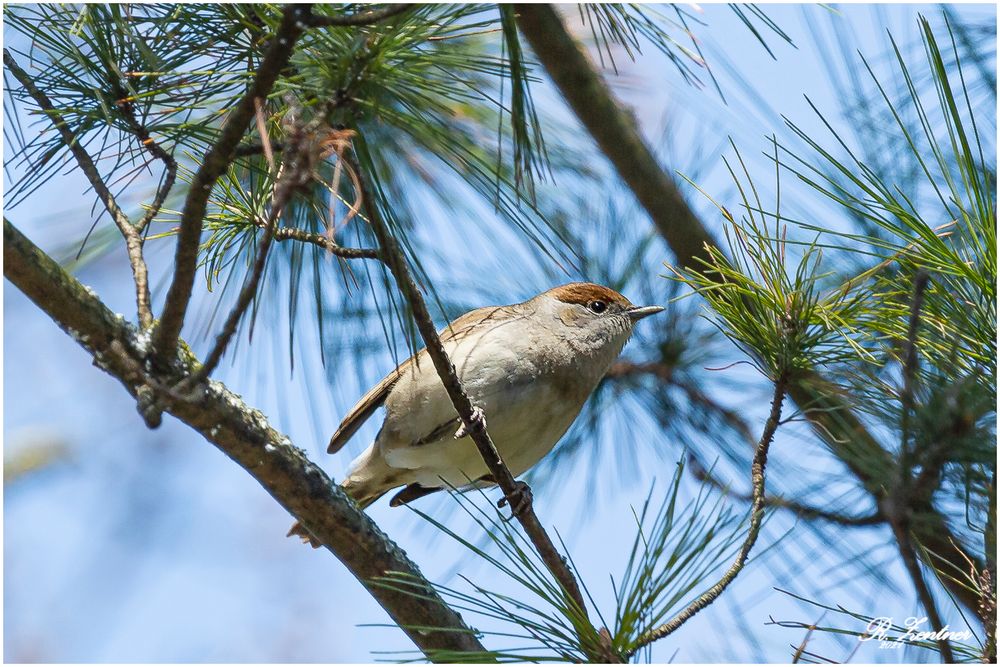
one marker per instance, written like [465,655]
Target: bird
[527,367]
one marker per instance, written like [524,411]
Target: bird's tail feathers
[364,492]
[369,477]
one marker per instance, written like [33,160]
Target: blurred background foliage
[496,194]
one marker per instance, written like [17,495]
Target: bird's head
[595,315]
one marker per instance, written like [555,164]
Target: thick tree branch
[900,500]
[614,131]
[757,477]
[244,435]
[213,165]
[365,17]
[473,423]
[132,234]
[900,530]
[823,403]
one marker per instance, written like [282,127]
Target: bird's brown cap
[584,293]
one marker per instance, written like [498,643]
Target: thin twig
[808,512]
[295,234]
[265,140]
[331,221]
[335,143]
[396,262]
[805,640]
[213,165]
[132,235]
[757,476]
[250,288]
[156,150]
[901,530]
[295,170]
[624,368]
[162,192]
[365,17]
[246,295]
[778,502]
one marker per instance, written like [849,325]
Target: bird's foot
[520,499]
[478,421]
[301,532]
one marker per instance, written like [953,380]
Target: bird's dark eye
[598,306]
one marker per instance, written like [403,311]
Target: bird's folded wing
[360,413]
[376,396]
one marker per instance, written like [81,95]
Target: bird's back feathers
[376,396]
[364,409]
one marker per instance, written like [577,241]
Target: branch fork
[244,435]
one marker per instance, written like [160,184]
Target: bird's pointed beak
[639,312]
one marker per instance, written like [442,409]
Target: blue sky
[152,546]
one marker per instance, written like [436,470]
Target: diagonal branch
[900,517]
[213,165]
[901,531]
[296,169]
[824,404]
[132,234]
[156,150]
[244,435]
[282,191]
[802,510]
[614,131]
[303,236]
[809,512]
[757,475]
[473,423]
[139,130]
[246,295]
[624,368]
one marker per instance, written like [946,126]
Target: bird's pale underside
[529,367]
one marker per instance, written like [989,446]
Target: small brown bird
[529,367]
